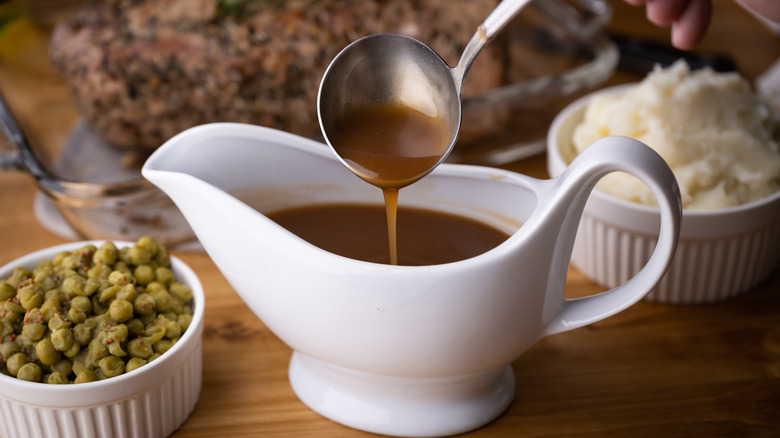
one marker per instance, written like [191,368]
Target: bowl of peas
[99,338]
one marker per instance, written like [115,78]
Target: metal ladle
[399,70]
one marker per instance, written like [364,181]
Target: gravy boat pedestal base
[406,407]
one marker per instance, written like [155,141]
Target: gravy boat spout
[402,350]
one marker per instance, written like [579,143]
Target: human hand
[689,19]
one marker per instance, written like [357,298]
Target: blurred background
[96,86]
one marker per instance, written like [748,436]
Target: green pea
[83,255]
[139,348]
[85,376]
[162,258]
[11,315]
[134,363]
[67,273]
[173,330]
[163,346]
[56,294]
[112,366]
[82,333]
[134,327]
[46,352]
[76,315]
[98,308]
[77,367]
[154,287]
[59,258]
[15,362]
[99,271]
[8,349]
[29,298]
[120,278]
[6,291]
[19,276]
[82,303]
[144,304]
[73,350]
[6,328]
[96,350]
[106,254]
[148,319]
[177,304]
[164,275]
[109,293]
[63,366]
[46,284]
[121,266]
[74,285]
[120,310]
[34,330]
[162,300]
[58,322]
[101,321]
[62,339]
[144,274]
[49,308]
[45,269]
[13,307]
[149,244]
[57,378]
[181,290]
[91,285]
[184,321]
[154,333]
[153,357]
[30,372]
[127,293]
[138,255]
[118,332]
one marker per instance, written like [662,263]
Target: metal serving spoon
[391,69]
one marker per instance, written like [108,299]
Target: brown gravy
[358,231]
[390,146]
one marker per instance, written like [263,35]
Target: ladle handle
[493,24]
[570,192]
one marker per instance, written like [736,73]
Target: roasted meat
[143,70]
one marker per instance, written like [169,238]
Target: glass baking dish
[557,51]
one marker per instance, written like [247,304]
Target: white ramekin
[721,253]
[152,401]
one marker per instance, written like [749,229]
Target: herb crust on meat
[142,71]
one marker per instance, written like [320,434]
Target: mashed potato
[719,137]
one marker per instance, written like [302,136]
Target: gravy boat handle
[574,186]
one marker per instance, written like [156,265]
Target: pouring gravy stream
[390,146]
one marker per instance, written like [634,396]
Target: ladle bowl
[393,69]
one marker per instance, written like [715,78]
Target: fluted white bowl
[152,401]
[721,253]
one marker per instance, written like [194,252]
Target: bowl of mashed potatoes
[722,141]
[99,339]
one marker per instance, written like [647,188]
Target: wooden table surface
[653,370]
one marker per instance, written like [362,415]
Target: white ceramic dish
[415,351]
[720,254]
[152,401]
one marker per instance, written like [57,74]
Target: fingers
[690,26]
[665,12]
[689,19]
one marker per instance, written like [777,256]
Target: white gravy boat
[405,351]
